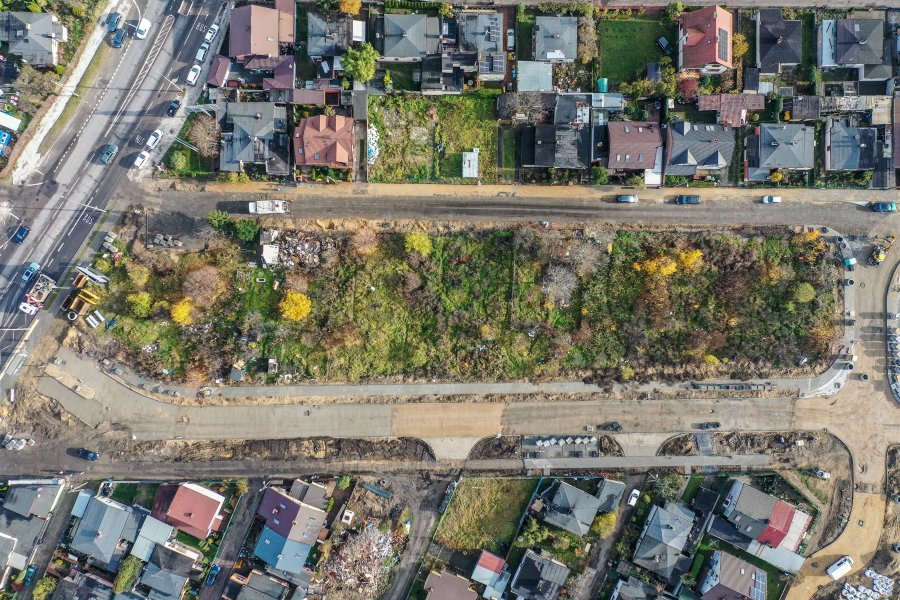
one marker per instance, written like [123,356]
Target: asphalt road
[66,197]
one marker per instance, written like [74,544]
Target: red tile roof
[253,32]
[218,71]
[633,144]
[492,563]
[732,108]
[282,75]
[778,525]
[287,10]
[324,141]
[190,508]
[701,30]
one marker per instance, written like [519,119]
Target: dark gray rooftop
[570,508]
[859,42]
[538,577]
[555,38]
[100,529]
[31,499]
[703,146]
[850,148]
[779,42]
[410,36]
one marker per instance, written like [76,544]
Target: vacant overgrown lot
[483,304]
[422,139]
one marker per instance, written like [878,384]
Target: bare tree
[34,86]
[365,241]
[586,257]
[587,40]
[560,283]
[202,286]
[204,133]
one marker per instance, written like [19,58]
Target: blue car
[21,233]
[29,576]
[213,573]
[30,272]
[88,455]
[119,38]
[884,207]
[113,22]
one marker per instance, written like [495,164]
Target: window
[619,157]
[627,158]
[276,521]
[640,130]
[640,158]
[316,156]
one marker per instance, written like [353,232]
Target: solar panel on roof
[723,44]
[759,586]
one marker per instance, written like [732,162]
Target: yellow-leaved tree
[181,312]
[351,7]
[295,306]
[418,241]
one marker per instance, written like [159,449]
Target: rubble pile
[358,567]
[296,249]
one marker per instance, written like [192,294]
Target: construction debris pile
[295,248]
[360,566]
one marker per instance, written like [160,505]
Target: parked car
[173,108]
[213,573]
[88,455]
[119,38]
[510,39]
[883,207]
[109,153]
[613,426]
[627,198]
[30,573]
[193,75]
[141,159]
[685,199]
[153,139]
[30,272]
[771,200]
[821,474]
[633,497]
[141,30]
[211,34]
[113,23]
[664,45]
[710,425]
[21,233]
[201,52]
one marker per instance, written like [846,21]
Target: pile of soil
[497,447]
[679,445]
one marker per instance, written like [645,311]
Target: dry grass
[484,514]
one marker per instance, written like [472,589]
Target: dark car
[29,576]
[614,426]
[173,108]
[213,573]
[119,38]
[88,455]
[109,153]
[664,45]
[113,22]
[687,200]
[883,207]
[21,233]
[710,425]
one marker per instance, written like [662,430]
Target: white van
[840,568]
[143,27]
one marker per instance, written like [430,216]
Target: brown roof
[447,586]
[316,97]
[218,71]
[253,32]
[633,144]
[704,30]
[737,580]
[732,108]
[324,141]
[190,508]
[287,12]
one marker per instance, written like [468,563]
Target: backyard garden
[421,139]
[495,304]
[627,45]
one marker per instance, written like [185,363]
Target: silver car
[627,198]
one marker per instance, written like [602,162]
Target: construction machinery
[879,252]
[37,295]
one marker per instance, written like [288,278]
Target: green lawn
[524,29]
[626,46]
[508,141]
[402,76]
[125,493]
[692,488]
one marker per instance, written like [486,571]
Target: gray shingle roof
[859,42]
[328,36]
[783,146]
[100,529]
[167,571]
[31,499]
[850,148]
[610,493]
[779,41]
[538,577]
[410,36]
[256,133]
[570,508]
[555,38]
[33,36]
[664,537]
[693,146]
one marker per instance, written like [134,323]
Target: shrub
[141,303]
[605,524]
[295,306]
[127,575]
[804,292]
[219,219]
[740,45]
[599,176]
[246,229]
[418,241]
[343,482]
[667,486]
[674,10]
[182,311]
[350,7]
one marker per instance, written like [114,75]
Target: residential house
[610,493]
[728,577]
[287,20]
[34,37]
[190,508]
[856,43]
[492,572]
[447,586]
[704,40]
[253,32]
[779,43]
[255,133]
[324,141]
[538,577]
[483,34]
[283,77]
[168,570]
[26,511]
[293,521]
[556,146]
[569,508]
[849,148]
[765,518]
[661,543]
[534,76]
[775,146]
[705,501]
[153,532]
[409,38]
[256,585]
[102,527]
[555,39]
[328,36]
[634,589]
[803,108]
[636,146]
[86,586]
[447,73]
[698,149]
[731,109]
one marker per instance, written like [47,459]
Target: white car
[143,27]
[141,159]
[201,53]
[633,498]
[211,33]
[193,75]
[771,200]
[153,140]
[29,309]
[822,474]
